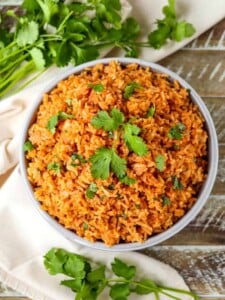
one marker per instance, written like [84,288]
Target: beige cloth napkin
[24,236]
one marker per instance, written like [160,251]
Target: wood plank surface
[198,251]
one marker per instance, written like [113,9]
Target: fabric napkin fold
[24,236]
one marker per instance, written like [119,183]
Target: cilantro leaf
[53,121]
[127,180]
[104,160]
[54,261]
[38,58]
[74,284]
[145,286]
[97,274]
[79,157]
[108,122]
[85,226]
[101,160]
[97,87]
[91,190]
[54,166]
[120,291]
[27,34]
[121,269]
[176,132]
[118,165]
[28,146]
[64,54]
[134,142]
[177,185]
[151,112]
[130,89]
[160,162]
[166,200]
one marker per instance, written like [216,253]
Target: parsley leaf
[28,146]
[91,190]
[176,131]
[133,141]
[130,89]
[160,162]
[98,87]
[53,121]
[177,185]
[108,122]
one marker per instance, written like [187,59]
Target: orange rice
[118,212]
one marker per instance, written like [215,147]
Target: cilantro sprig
[79,30]
[88,278]
[170,28]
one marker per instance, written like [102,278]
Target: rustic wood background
[197,252]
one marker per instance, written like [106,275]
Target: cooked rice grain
[122,213]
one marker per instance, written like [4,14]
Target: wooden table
[198,251]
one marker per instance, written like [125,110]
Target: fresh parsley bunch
[54,32]
[88,279]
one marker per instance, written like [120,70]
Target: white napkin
[24,236]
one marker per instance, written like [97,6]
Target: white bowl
[203,194]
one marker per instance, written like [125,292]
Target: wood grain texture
[202,267]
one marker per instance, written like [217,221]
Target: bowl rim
[213,157]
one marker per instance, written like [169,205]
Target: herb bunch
[52,32]
[88,279]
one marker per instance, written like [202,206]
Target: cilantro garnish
[104,160]
[75,37]
[79,157]
[160,162]
[170,28]
[97,87]
[130,89]
[166,200]
[133,141]
[108,122]
[89,278]
[91,190]
[151,112]
[53,121]
[28,146]
[85,227]
[54,166]
[176,132]
[177,185]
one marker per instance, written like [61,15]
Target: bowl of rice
[119,154]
